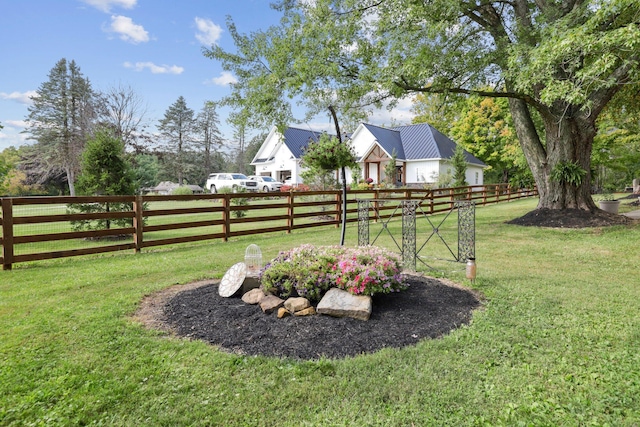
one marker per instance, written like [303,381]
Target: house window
[477,177]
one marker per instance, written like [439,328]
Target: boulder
[254,296]
[270,303]
[296,304]
[339,303]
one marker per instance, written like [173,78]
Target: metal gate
[418,228]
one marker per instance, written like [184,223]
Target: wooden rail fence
[166,220]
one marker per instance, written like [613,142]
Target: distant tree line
[68,116]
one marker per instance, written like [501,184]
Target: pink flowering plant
[309,271]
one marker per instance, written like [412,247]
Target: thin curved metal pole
[344,179]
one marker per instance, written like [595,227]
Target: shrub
[236,201]
[183,190]
[309,271]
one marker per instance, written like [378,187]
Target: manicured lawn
[557,343]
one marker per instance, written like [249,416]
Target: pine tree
[459,163]
[208,134]
[177,129]
[105,172]
[61,120]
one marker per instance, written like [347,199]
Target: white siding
[421,172]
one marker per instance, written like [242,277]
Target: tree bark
[569,139]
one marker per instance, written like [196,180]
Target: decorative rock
[254,296]
[339,303]
[309,311]
[296,304]
[283,312]
[270,303]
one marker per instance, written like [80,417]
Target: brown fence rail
[137,222]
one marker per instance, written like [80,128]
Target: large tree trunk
[569,140]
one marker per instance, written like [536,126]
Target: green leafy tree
[486,130]
[145,169]
[616,152]
[439,110]
[61,120]
[176,129]
[561,60]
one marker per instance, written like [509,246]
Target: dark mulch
[428,309]
[570,218]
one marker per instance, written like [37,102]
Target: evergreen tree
[105,169]
[208,137]
[459,163]
[61,120]
[177,129]
[105,172]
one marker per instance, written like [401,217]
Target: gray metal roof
[389,139]
[297,139]
[421,141]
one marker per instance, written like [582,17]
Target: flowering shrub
[298,187]
[309,271]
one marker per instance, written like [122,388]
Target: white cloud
[21,124]
[226,78]
[155,69]
[106,5]
[128,31]
[208,32]
[21,97]
[400,115]
[10,136]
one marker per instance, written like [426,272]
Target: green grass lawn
[557,343]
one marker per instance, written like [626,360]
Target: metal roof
[389,139]
[297,139]
[421,141]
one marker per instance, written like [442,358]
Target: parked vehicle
[266,183]
[234,181]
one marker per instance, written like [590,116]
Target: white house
[422,154]
[279,156]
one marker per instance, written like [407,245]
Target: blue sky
[153,46]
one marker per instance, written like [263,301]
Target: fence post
[338,216]
[376,205]
[497,193]
[484,195]
[137,223]
[7,233]
[226,216]
[290,212]
[430,195]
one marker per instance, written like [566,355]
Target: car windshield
[238,176]
[268,179]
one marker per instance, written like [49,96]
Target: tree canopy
[563,60]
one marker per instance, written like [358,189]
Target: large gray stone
[339,303]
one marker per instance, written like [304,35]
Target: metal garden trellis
[408,247]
